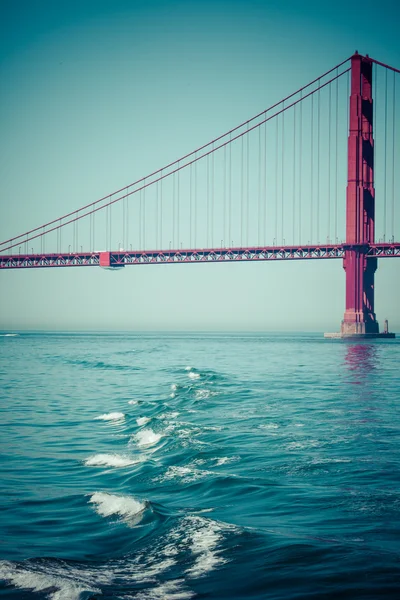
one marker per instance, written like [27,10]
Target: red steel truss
[144,257]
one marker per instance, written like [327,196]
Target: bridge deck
[116,259]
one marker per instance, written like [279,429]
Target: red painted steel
[105,259]
[359,316]
[217,255]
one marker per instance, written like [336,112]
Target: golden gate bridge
[279,186]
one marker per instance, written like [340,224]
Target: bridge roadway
[122,258]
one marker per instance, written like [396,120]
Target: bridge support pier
[359,318]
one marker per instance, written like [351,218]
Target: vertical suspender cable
[106,240]
[123,221]
[312,169]
[140,220]
[385,159]
[241,191]
[208,200]
[294,178]
[224,199]
[212,196]
[282,172]
[157,215]
[110,226]
[144,215]
[247,185]
[195,202]
[393,150]
[127,221]
[265,182]
[230,191]
[336,155]
[318,155]
[178,208]
[161,211]
[259,189]
[300,163]
[329,162]
[173,209]
[190,204]
[276,181]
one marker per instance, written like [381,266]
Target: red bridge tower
[359,317]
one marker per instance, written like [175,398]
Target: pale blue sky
[97,94]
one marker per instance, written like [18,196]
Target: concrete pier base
[360,336]
[362,330]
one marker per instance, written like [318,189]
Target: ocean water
[177,466]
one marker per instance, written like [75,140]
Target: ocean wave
[110,460]
[132,402]
[104,366]
[196,542]
[128,508]
[147,437]
[52,578]
[113,416]
[143,421]
[9,334]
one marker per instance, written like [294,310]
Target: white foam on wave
[203,394]
[110,460]
[107,505]
[143,421]
[147,437]
[303,445]
[188,368]
[174,387]
[269,426]
[168,415]
[185,474]
[193,375]
[132,402]
[9,335]
[206,536]
[203,538]
[146,568]
[59,583]
[113,416]
[226,459]
[170,590]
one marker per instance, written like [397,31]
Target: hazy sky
[95,94]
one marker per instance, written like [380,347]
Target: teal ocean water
[178,466]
